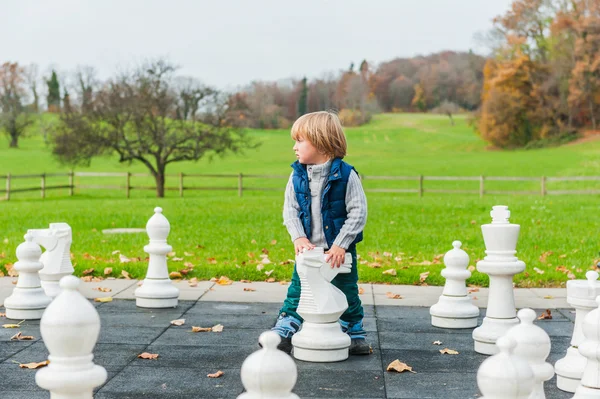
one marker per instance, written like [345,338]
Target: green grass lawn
[221,234]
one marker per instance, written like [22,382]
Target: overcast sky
[229,43]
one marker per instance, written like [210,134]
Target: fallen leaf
[273,242]
[562,256]
[545,315]
[249,289]
[103,289]
[125,274]
[215,375]
[283,282]
[178,322]
[88,271]
[87,279]
[437,342]
[201,329]
[544,256]
[217,328]
[116,252]
[423,276]
[172,253]
[425,263]
[33,366]
[2,314]
[188,254]
[13,325]
[147,355]
[571,276]
[20,337]
[374,265]
[193,282]
[212,261]
[473,222]
[391,295]
[253,241]
[538,271]
[123,258]
[176,259]
[388,254]
[269,272]
[224,280]
[259,267]
[398,259]
[399,367]
[391,272]
[265,261]
[245,281]
[361,290]
[103,300]
[448,351]
[107,271]
[270,280]
[548,297]
[175,275]
[473,289]
[471,268]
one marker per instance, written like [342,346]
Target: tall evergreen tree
[53,93]
[303,99]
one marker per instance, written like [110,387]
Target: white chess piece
[157,290]
[589,388]
[504,375]
[581,294]
[501,265]
[28,300]
[70,327]
[455,309]
[56,259]
[269,372]
[321,304]
[533,345]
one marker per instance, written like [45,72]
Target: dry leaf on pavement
[399,367]
[193,282]
[217,328]
[545,315]
[224,280]
[270,280]
[103,300]
[215,375]
[32,366]
[178,322]
[437,342]
[448,351]
[147,355]
[361,290]
[201,329]
[20,337]
[13,325]
[103,289]
[249,289]
[391,295]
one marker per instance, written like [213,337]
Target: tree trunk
[591,104]
[160,183]
[14,141]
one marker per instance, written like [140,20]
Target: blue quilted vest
[333,200]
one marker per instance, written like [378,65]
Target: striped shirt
[356,207]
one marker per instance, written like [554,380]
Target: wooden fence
[418,188]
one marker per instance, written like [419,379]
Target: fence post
[240,185]
[127,184]
[420,186]
[43,185]
[543,186]
[481,186]
[181,184]
[71,183]
[8,186]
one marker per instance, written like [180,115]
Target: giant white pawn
[589,388]
[321,304]
[28,300]
[581,294]
[269,372]
[505,375]
[454,309]
[500,264]
[533,345]
[157,290]
[70,327]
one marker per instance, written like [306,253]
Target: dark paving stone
[26,328]
[171,383]
[9,349]
[229,337]
[126,305]
[24,395]
[558,328]
[340,384]
[15,378]
[129,335]
[196,357]
[432,361]
[431,385]
[223,308]
[229,321]
[401,312]
[568,313]
[417,326]
[424,341]
[145,319]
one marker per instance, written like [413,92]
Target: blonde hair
[324,130]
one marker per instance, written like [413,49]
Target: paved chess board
[185,358]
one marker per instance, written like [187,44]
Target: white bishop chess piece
[70,327]
[321,304]
[500,265]
[157,290]
[589,388]
[28,300]
[504,375]
[56,259]
[269,372]
[455,309]
[581,294]
[533,345]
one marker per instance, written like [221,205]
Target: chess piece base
[586,393]
[71,383]
[454,312]
[321,343]
[569,370]
[491,329]
[26,304]
[156,294]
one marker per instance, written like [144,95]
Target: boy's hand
[336,256]
[301,244]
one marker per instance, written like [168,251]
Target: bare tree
[15,115]
[447,108]
[139,116]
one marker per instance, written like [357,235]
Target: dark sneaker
[359,346]
[285,345]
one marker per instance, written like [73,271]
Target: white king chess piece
[28,300]
[157,290]
[269,372]
[321,304]
[454,308]
[56,259]
[581,294]
[500,265]
[70,328]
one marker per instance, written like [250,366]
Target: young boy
[325,206]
